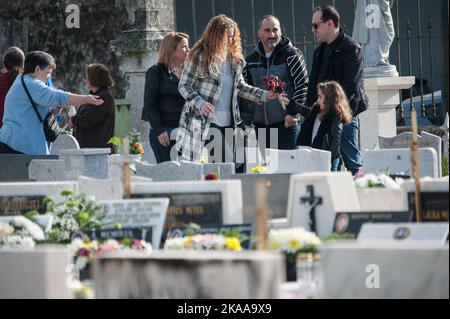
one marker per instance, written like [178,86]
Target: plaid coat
[195,86]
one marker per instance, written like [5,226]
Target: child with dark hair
[322,128]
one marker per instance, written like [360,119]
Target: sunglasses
[316,25]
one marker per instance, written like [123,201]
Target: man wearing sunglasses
[339,58]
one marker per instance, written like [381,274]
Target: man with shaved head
[275,55]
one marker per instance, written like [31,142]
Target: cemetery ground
[96,225]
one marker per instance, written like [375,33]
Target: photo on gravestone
[351,222]
[244,232]
[185,208]
[434,206]
[135,214]
[20,205]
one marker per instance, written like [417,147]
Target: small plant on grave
[76,213]
[135,147]
[293,241]
[380,180]
[259,169]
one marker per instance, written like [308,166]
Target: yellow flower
[275,245]
[202,159]
[188,241]
[294,243]
[233,243]
[258,169]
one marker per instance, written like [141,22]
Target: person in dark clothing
[94,125]
[13,64]
[322,128]
[275,55]
[339,58]
[163,102]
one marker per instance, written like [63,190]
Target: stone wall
[41,25]
[123,34]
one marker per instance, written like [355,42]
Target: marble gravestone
[170,171]
[201,202]
[71,164]
[189,275]
[137,213]
[387,271]
[434,199]
[20,197]
[328,193]
[404,140]
[64,142]
[395,161]
[41,273]
[298,161]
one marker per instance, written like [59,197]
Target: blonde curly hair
[213,44]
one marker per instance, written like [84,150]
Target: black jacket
[286,62]
[162,101]
[328,136]
[344,65]
[94,124]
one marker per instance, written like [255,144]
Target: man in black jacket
[339,58]
[275,55]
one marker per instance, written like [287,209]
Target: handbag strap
[31,100]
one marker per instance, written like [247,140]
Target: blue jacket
[22,130]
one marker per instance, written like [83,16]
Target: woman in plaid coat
[210,83]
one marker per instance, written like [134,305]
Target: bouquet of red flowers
[273,84]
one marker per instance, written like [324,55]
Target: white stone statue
[374,29]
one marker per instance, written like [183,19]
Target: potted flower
[296,244]
[135,147]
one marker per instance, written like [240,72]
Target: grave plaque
[20,205]
[133,233]
[352,222]
[434,206]
[136,213]
[185,208]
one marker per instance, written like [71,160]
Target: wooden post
[415,164]
[126,168]
[261,216]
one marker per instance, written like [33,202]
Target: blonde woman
[211,82]
[323,124]
[162,101]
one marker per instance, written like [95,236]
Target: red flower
[272,83]
[211,176]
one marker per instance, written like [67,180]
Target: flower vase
[85,273]
[291,269]
[308,276]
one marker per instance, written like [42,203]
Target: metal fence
[413,51]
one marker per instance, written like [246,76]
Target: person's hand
[163,139]
[70,123]
[206,108]
[94,99]
[284,99]
[271,95]
[289,121]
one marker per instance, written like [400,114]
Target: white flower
[5,230]
[174,243]
[75,246]
[33,229]
[81,262]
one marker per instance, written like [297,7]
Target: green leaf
[32,214]
[67,192]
